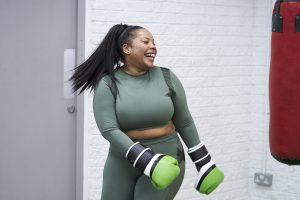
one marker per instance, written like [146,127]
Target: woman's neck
[133,70]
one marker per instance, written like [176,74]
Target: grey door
[37,133]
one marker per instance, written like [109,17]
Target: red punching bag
[284,82]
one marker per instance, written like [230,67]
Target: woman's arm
[209,176]
[105,116]
[182,117]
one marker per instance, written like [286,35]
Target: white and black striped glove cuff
[142,158]
[203,162]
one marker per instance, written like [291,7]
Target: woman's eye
[146,42]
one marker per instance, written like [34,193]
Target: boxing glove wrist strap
[203,162]
[142,158]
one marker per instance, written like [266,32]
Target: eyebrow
[148,38]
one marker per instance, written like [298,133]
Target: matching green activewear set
[143,102]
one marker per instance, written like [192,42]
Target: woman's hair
[104,58]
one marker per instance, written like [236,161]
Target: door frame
[80,101]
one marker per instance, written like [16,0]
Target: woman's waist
[152,133]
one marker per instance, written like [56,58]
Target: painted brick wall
[209,45]
[286,179]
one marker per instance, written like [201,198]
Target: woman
[146,158]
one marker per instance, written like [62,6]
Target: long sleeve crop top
[142,102]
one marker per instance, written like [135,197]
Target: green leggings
[122,181]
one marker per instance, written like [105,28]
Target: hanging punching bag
[284,82]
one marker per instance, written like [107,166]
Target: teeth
[150,54]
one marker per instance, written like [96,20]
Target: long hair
[104,58]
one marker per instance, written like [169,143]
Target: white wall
[217,49]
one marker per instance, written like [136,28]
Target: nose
[152,46]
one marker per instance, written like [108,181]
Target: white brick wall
[218,50]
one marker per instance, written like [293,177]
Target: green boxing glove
[162,169]
[209,176]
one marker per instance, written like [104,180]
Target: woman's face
[142,50]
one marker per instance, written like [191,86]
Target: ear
[126,48]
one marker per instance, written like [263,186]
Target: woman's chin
[149,64]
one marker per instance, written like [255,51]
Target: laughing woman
[141,110]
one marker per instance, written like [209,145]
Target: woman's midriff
[152,132]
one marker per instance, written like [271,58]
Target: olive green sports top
[142,102]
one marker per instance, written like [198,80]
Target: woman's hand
[167,129]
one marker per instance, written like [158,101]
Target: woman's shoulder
[159,68]
[103,81]
[165,68]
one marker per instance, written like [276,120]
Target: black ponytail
[103,59]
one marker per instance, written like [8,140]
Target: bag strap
[112,88]
[167,76]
